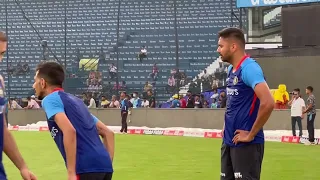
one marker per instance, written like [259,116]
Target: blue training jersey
[92,157]
[242,102]
[2,109]
[124,105]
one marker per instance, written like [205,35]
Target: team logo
[235,80]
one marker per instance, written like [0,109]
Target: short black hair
[310,88]
[125,93]
[297,89]
[233,32]
[51,72]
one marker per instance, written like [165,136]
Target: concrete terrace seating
[92,29]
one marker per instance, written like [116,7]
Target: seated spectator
[113,71]
[95,87]
[91,88]
[183,79]
[145,102]
[154,73]
[215,95]
[214,104]
[205,75]
[197,102]
[32,103]
[92,101]
[142,54]
[152,99]
[92,75]
[222,100]
[85,99]
[135,100]
[14,104]
[175,103]
[183,102]
[205,104]
[147,87]
[114,102]
[190,100]
[171,84]
[104,103]
[281,97]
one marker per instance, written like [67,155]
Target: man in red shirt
[183,102]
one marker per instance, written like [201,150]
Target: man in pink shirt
[32,103]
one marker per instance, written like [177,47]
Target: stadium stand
[92,35]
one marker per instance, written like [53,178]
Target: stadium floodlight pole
[65,33]
[176,41]
[117,45]
[7,31]
[231,15]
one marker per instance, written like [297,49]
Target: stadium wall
[294,72]
[162,118]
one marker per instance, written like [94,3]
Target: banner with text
[258,3]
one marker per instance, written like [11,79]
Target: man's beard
[41,95]
[225,58]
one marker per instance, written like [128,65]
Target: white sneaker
[307,143]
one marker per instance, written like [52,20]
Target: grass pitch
[166,158]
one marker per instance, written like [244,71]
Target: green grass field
[167,158]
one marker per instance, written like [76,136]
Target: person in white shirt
[113,71]
[142,54]
[32,103]
[145,103]
[14,104]
[92,102]
[297,108]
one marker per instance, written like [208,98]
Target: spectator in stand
[135,100]
[175,102]
[154,74]
[183,79]
[222,100]
[205,104]
[205,74]
[183,102]
[85,99]
[215,94]
[92,75]
[32,103]
[190,100]
[113,71]
[147,87]
[171,84]
[215,82]
[152,100]
[114,102]
[92,102]
[297,108]
[145,103]
[214,104]
[124,112]
[281,97]
[197,102]
[142,54]
[311,114]
[14,104]
[104,103]
[91,87]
